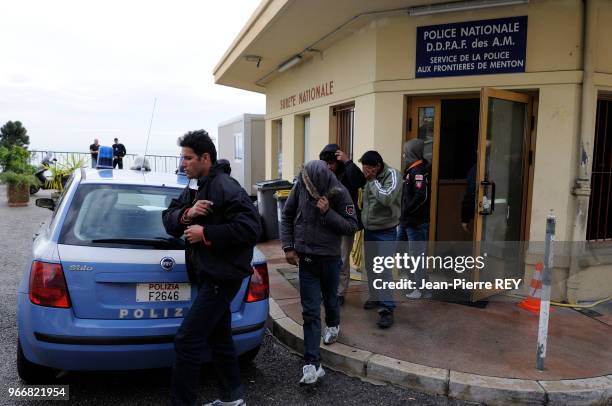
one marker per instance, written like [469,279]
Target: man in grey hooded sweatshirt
[318,212]
[414,217]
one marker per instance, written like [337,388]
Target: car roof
[132,177]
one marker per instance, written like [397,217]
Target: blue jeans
[318,279]
[385,297]
[417,235]
[207,326]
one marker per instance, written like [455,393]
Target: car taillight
[48,285]
[259,286]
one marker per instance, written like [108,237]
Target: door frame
[485,94]
[414,101]
[413,124]
[527,181]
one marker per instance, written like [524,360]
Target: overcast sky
[72,71]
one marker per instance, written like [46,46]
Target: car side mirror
[46,203]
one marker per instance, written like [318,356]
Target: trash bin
[266,204]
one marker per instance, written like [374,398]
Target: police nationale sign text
[472,48]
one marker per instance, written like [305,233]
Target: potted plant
[18,187]
[18,174]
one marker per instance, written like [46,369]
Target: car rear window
[122,216]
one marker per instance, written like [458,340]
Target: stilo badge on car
[167,263]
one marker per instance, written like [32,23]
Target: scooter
[43,174]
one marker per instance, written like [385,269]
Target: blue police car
[107,287]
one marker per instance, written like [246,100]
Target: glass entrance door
[501,183]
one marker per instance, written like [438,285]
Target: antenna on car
[144,158]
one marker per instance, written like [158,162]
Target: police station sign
[472,48]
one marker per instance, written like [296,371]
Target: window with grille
[599,226]
[345,127]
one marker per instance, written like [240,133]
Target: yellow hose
[357,250]
[575,306]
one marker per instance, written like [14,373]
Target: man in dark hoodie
[318,211]
[416,196]
[352,179]
[221,226]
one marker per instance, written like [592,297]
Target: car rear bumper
[55,338]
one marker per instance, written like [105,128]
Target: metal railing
[158,163]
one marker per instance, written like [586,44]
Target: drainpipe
[582,184]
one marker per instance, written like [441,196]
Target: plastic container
[267,207]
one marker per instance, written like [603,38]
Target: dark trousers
[118,162]
[206,326]
[318,279]
[380,246]
[417,236]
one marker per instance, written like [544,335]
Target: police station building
[520,89]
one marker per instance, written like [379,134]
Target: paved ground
[270,380]
[499,340]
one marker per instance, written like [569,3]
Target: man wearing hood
[318,212]
[416,196]
[221,226]
[352,179]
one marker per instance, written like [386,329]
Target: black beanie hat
[371,158]
[328,154]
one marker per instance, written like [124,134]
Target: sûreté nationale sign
[472,48]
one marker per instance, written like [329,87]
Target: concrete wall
[348,63]
[603,49]
[557,128]
[320,121]
[553,36]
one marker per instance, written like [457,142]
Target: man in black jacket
[317,213]
[118,154]
[414,218]
[221,226]
[352,178]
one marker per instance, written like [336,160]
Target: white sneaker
[331,335]
[415,294]
[311,374]
[218,402]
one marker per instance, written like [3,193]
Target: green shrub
[16,159]
[15,178]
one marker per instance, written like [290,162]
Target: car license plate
[163,292]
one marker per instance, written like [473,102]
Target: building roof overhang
[279,30]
